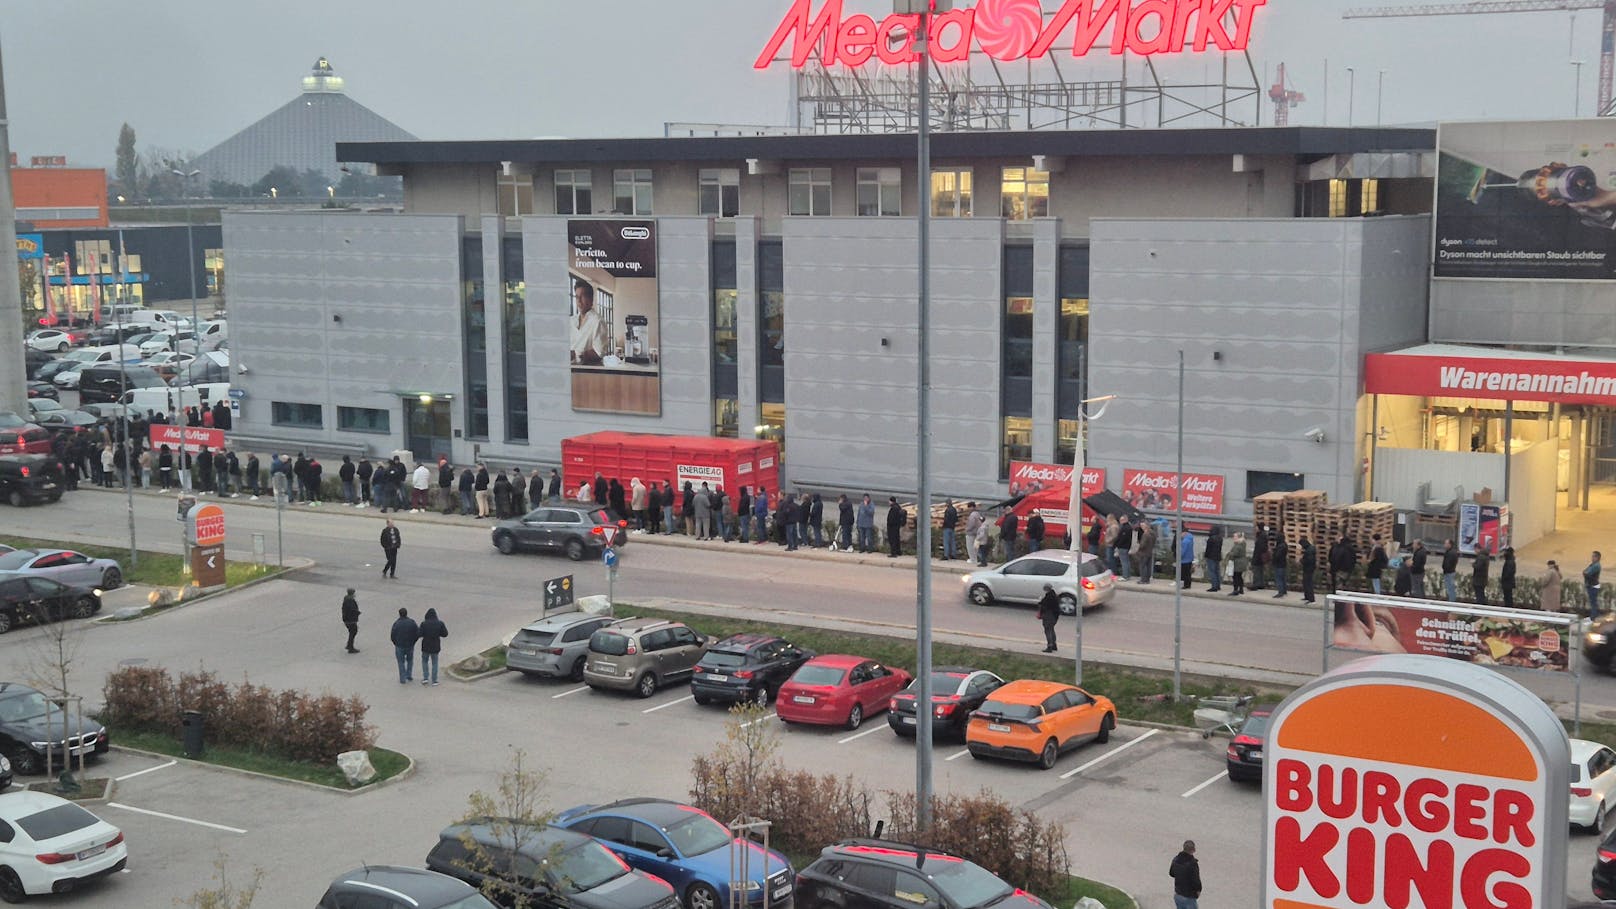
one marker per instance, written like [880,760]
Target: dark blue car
[684,846]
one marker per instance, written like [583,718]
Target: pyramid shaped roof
[301,134]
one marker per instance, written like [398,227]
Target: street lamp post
[1352,84]
[1380,84]
[1074,524]
[190,254]
[1576,97]
[1178,586]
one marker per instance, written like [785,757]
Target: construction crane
[1607,35]
[1284,98]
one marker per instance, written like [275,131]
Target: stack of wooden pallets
[1366,520]
[1300,508]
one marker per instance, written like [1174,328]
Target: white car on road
[50,339]
[54,846]
[1022,580]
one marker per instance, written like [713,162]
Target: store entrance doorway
[426,422]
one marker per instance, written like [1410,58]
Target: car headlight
[40,745]
[753,885]
[1595,637]
[96,591]
[5,765]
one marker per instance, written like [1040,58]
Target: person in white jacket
[420,483]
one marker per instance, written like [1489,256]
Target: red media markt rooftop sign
[1012,30]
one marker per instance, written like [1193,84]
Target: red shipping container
[732,463]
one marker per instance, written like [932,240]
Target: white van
[106,353]
[165,318]
[163,400]
[214,332]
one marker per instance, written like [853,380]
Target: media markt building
[764,285]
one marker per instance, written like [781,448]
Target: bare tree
[515,816]
[225,895]
[51,657]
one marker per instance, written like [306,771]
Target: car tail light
[115,840]
[1606,856]
[554,651]
[631,650]
[744,674]
[598,531]
[892,704]
[1233,754]
[54,858]
[700,669]
[1088,583]
[25,472]
[1245,740]
[1581,792]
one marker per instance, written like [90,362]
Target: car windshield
[698,834]
[23,705]
[54,822]
[587,867]
[16,559]
[608,643]
[942,683]
[966,884]
[44,404]
[1011,711]
[537,638]
[723,659]
[600,517]
[819,675]
[1256,726]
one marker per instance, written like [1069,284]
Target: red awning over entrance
[1455,371]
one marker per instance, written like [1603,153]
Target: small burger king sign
[1414,782]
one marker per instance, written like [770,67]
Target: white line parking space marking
[762,719]
[958,754]
[688,697]
[569,691]
[1112,753]
[1220,775]
[175,817]
[859,735]
[130,776]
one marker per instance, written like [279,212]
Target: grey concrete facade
[1273,317]
[1546,313]
[341,310]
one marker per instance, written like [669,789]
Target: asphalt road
[1125,806]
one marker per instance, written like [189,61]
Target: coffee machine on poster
[1483,527]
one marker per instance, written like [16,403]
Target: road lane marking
[958,754]
[1220,775]
[858,735]
[569,691]
[688,697]
[766,716]
[175,817]
[1112,753]
[130,776]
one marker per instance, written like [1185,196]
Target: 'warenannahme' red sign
[1493,378]
[1012,30]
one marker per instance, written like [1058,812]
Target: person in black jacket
[1261,552]
[1186,874]
[1403,583]
[1450,572]
[687,507]
[895,521]
[345,476]
[653,508]
[1506,577]
[1417,556]
[432,631]
[1048,615]
[1035,531]
[502,496]
[552,490]
[391,541]
[602,490]
[350,618]
[464,486]
[1478,575]
[404,635]
[950,522]
[816,520]
[364,472]
[1309,564]
[535,490]
[1377,564]
[1212,557]
[481,493]
[1282,559]
[614,500]
[844,522]
[743,513]
[446,485]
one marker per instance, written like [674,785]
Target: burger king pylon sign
[1414,782]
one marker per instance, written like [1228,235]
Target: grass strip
[388,764]
[157,569]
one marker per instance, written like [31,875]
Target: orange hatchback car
[1032,720]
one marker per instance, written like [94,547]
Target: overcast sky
[187,74]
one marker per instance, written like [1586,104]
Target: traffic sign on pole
[558,592]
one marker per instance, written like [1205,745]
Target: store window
[363,419]
[572,193]
[1017,443]
[879,191]
[474,318]
[631,191]
[515,341]
[726,418]
[288,413]
[213,264]
[1024,193]
[808,191]
[1066,433]
[951,193]
[771,338]
[718,191]
[1369,191]
[1015,355]
[1071,353]
[725,342]
[515,193]
[773,426]
[1339,198]
[1261,481]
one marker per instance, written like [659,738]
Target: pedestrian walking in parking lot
[1186,874]
[896,518]
[1450,572]
[1506,577]
[865,522]
[1048,615]
[950,522]
[1479,566]
[404,635]
[432,631]
[1310,563]
[391,541]
[350,619]
[1549,588]
[1590,584]
[1238,562]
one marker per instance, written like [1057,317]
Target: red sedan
[838,690]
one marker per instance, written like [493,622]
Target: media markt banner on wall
[1156,489]
[1526,199]
[1027,476]
[613,316]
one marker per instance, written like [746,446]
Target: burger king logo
[1413,782]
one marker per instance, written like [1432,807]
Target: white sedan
[50,339]
[1593,784]
[68,378]
[55,846]
[1022,580]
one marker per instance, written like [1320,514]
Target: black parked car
[1605,868]
[1245,753]
[26,599]
[392,887]
[30,725]
[26,479]
[576,529]
[746,667]
[43,390]
[553,868]
[955,692]
[106,382]
[880,874]
[48,370]
[1599,643]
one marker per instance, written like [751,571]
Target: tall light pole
[1576,96]
[130,462]
[13,374]
[1074,513]
[190,257]
[1380,83]
[1352,84]
[1178,587]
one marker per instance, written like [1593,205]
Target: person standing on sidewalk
[345,475]
[552,491]
[866,525]
[404,635]
[950,521]
[1549,586]
[1590,584]
[481,493]
[895,521]
[1310,564]
[1186,874]
[1147,552]
[1049,614]
[1506,577]
[1261,551]
[638,500]
[703,512]
[816,519]
[431,633]
[1009,534]
[391,541]
[844,522]
[1212,557]
[1479,567]
[1186,557]
[743,515]
[1035,531]
[1450,572]
[1237,565]
[1417,556]
[982,540]
[350,618]
[1377,564]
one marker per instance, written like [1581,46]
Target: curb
[149,612]
[408,771]
[45,784]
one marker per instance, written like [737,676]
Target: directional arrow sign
[558,592]
[608,556]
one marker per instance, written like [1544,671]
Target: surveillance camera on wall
[1316,434]
[241,369]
